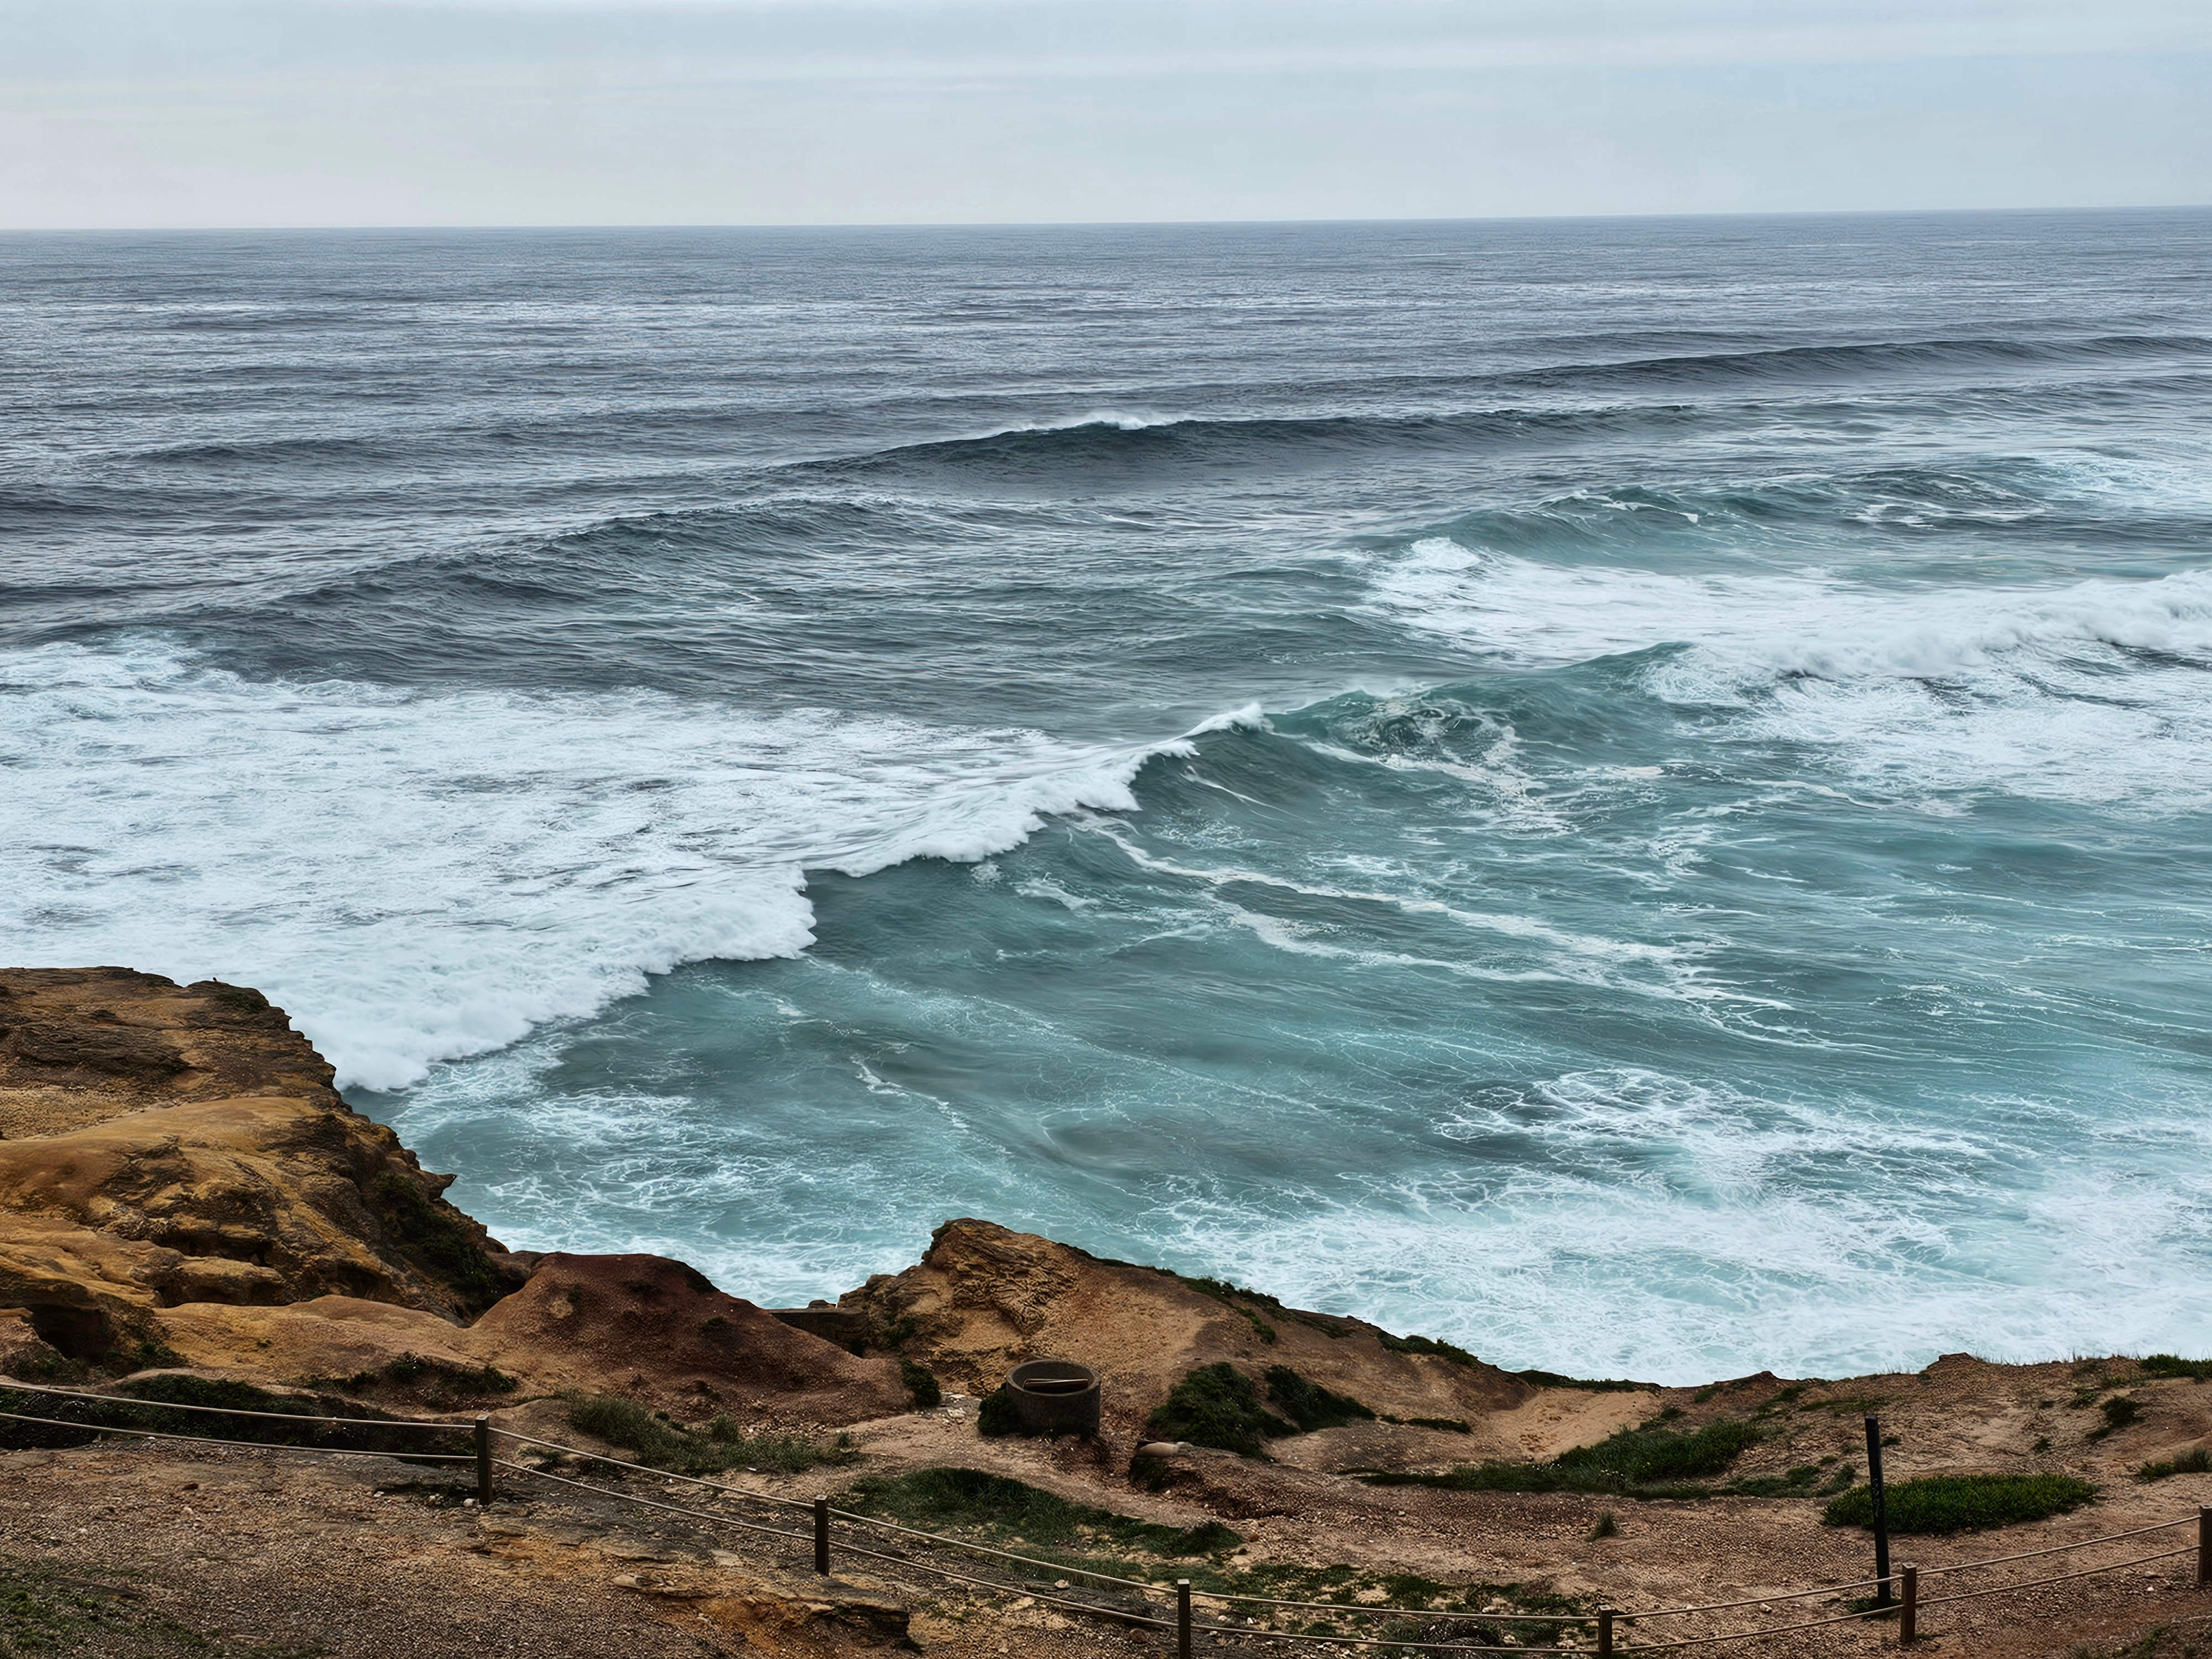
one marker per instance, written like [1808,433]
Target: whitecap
[420,876]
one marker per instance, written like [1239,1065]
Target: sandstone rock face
[984,1299]
[167,1144]
[647,1326]
[179,1179]
[641,1325]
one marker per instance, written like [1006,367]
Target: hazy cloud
[289,111]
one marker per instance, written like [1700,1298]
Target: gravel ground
[144,1552]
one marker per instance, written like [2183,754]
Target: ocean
[1631,794]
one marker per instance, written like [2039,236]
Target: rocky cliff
[180,1182]
[983,1299]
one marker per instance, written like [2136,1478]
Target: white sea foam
[1735,1225]
[420,877]
[2093,691]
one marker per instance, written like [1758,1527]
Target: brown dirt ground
[274,1555]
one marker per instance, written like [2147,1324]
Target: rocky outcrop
[169,1145]
[181,1182]
[984,1299]
[636,1325]
[179,1179]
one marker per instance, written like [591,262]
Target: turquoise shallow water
[1631,794]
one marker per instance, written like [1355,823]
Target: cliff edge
[180,1183]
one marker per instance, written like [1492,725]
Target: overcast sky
[231,112]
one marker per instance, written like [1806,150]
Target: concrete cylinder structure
[1054,1396]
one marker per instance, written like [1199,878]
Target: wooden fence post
[2203,1546]
[1605,1632]
[1908,1616]
[821,1536]
[1183,1619]
[484,1462]
[1881,1512]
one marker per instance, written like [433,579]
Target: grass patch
[291,1421]
[1650,1462]
[1216,1405]
[438,1379]
[1449,1425]
[1607,1525]
[660,1445]
[1012,1515]
[1310,1406]
[921,1382]
[1597,1385]
[935,1499]
[1427,1344]
[2168,1364]
[2120,1412]
[2198,1460]
[1799,1482]
[222,1393]
[1962,1503]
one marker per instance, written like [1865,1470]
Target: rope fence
[1150,1607]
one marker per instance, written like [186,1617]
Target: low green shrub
[2120,1412]
[2196,1461]
[932,1499]
[1962,1503]
[1595,1385]
[1310,1406]
[921,1382]
[436,1376]
[659,1445]
[1650,1462]
[1427,1344]
[1657,1456]
[997,1415]
[1216,1405]
[179,1389]
[275,1419]
[1794,1483]
[2169,1364]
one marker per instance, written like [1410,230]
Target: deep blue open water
[1632,794]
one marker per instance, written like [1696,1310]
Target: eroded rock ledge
[180,1182]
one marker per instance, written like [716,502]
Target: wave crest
[421,877]
[2094,691]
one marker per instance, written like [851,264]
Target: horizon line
[1091,224]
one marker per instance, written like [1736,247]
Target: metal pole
[1605,1632]
[2203,1546]
[1880,1515]
[484,1462]
[1183,1619]
[821,1536]
[1908,1615]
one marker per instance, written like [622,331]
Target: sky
[155,113]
